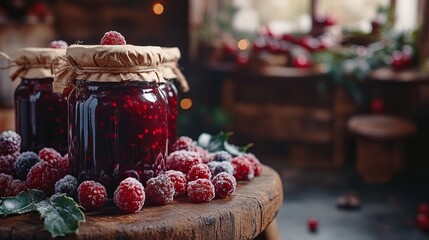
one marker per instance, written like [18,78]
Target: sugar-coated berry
[113,38]
[5,181]
[130,195]
[10,142]
[224,184]
[179,180]
[212,166]
[199,171]
[223,167]
[201,190]
[257,166]
[182,160]
[50,155]
[43,176]
[16,187]
[58,44]
[67,185]
[222,156]
[83,176]
[184,143]
[91,195]
[243,168]
[205,156]
[160,190]
[7,162]
[23,163]
[63,165]
[146,175]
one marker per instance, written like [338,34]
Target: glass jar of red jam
[117,114]
[40,113]
[172,73]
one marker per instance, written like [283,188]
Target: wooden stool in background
[380,145]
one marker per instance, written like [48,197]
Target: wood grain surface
[243,216]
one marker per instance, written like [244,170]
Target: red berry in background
[312,224]
[179,180]
[423,208]
[329,20]
[205,156]
[224,184]
[7,162]
[230,49]
[201,190]
[243,168]
[288,38]
[5,181]
[423,221]
[43,176]
[301,62]
[310,43]
[50,155]
[113,38]
[377,105]
[199,171]
[399,60]
[16,187]
[130,195]
[241,60]
[10,142]
[257,166]
[260,43]
[183,160]
[160,190]
[184,143]
[58,44]
[92,195]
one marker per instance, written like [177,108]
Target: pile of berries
[422,218]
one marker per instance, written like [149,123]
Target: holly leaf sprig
[61,214]
[219,142]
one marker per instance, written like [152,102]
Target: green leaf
[62,215]
[236,150]
[22,203]
[219,142]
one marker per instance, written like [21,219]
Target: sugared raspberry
[199,171]
[160,190]
[113,38]
[257,166]
[146,175]
[23,163]
[179,180]
[222,167]
[224,184]
[10,142]
[91,195]
[222,156]
[16,187]
[184,143]
[50,155]
[243,168]
[5,181]
[67,185]
[182,160]
[130,195]
[205,156]
[7,162]
[58,44]
[201,190]
[43,176]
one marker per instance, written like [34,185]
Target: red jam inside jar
[41,115]
[117,130]
[170,92]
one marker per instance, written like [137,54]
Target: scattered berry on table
[130,195]
[222,156]
[201,190]
[10,142]
[182,160]
[58,44]
[179,180]
[146,175]
[15,187]
[243,168]
[92,195]
[23,163]
[67,185]
[224,184]
[113,38]
[199,171]
[257,166]
[312,224]
[43,176]
[7,162]
[5,181]
[223,167]
[160,190]
[184,143]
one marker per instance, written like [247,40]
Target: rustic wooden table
[243,216]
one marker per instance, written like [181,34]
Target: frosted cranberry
[243,168]
[199,171]
[257,166]
[201,190]
[224,184]
[179,180]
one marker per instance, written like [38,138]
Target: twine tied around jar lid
[31,63]
[170,67]
[107,63]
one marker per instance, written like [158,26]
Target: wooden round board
[243,216]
